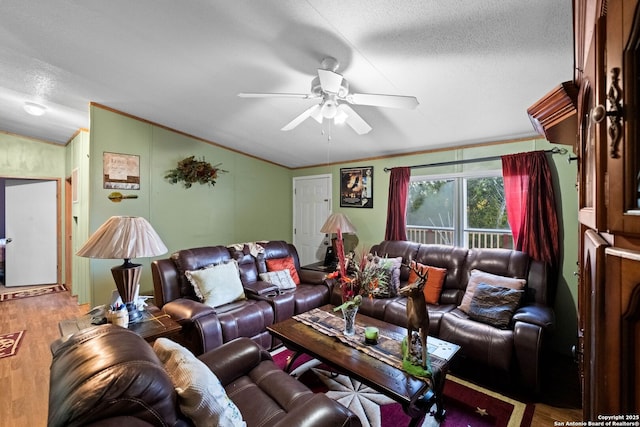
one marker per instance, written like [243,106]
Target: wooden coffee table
[415,395]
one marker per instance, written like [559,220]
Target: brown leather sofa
[109,376]
[517,351]
[205,328]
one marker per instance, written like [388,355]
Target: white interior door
[311,207]
[31,217]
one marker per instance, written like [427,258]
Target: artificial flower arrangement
[191,170]
[359,277]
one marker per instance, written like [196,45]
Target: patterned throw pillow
[478,276]
[391,267]
[435,281]
[276,264]
[494,305]
[218,284]
[282,279]
[200,394]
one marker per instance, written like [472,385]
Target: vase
[349,314]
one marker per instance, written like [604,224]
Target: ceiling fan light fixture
[329,109]
[333,92]
[340,117]
[34,109]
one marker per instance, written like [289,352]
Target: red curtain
[531,207]
[397,209]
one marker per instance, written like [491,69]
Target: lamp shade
[338,221]
[123,237]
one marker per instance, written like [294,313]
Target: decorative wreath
[191,170]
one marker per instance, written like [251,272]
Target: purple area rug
[466,404]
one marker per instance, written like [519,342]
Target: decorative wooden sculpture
[417,313]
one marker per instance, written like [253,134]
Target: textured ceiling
[475,66]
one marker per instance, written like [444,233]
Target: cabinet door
[620,344]
[620,116]
[591,144]
[590,322]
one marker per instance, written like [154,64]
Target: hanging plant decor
[191,170]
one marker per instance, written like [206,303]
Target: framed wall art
[356,187]
[121,171]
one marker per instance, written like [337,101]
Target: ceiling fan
[333,92]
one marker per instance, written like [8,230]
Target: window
[460,210]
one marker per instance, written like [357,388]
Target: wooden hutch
[606,141]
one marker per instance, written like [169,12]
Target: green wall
[252,201]
[371,222]
[77,158]
[23,157]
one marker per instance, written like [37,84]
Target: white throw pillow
[478,276]
[217,285]
[200,394]
[281,278]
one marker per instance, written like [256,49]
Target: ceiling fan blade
[276,95]
[317,114]
[392,101]
[354,120]
[329,81]
[301,118]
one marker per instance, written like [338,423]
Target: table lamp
[337,223]
[125,237]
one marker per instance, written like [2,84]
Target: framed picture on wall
[121,171]
[356,187]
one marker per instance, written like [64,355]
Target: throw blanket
[254,248]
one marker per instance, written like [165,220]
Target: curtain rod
[554,150]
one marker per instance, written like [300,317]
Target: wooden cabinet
[622,71]
[607,48]
[591,310]
[590,145]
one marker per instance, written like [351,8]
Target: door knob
[9,240]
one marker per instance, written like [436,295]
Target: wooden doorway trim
[68,234]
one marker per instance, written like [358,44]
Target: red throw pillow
[435,280]
[276,264]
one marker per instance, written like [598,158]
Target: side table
[319,266]
[153,324]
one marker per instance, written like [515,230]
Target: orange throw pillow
[435,280]
[276,264]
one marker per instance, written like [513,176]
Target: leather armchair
[203,327]
[109,376]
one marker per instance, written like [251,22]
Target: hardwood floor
[25,376]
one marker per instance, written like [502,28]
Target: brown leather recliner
[110,376]
[205,328]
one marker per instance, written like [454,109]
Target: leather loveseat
[517,350]
[205,328]
[109,376]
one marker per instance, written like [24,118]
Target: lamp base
[134,313]
[127,277]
